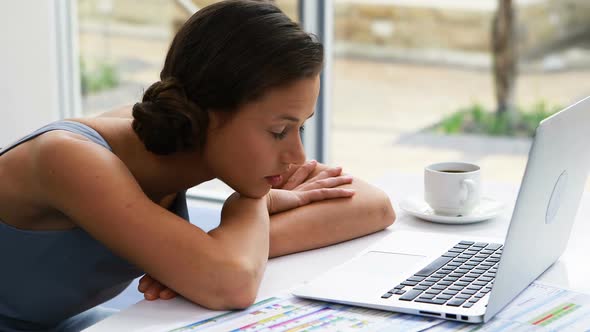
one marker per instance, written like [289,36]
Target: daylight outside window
[123,44]
[413,82]
[416,82]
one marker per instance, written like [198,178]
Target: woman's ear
[217,118]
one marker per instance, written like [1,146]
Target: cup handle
[470,193]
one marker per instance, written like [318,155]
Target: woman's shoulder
[72,171]
[123,111]
[70,154]
[24,171]
[28,157]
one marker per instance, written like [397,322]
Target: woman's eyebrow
[292,118]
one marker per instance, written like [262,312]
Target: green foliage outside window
[103,77]
[475,119]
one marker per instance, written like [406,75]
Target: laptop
[472,279]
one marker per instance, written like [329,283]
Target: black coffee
[452,171]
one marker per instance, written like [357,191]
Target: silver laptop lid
[547,203]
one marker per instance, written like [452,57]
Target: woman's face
[250,149]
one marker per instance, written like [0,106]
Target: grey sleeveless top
[49,276]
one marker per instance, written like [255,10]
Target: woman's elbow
[243,299]
[236,289]
[384,214]
[242,290]
[236,299]
[388,213]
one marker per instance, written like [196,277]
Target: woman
[89,204]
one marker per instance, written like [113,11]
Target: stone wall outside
[403,28]
[541,25]
[547,24]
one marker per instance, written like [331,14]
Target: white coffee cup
[452,188]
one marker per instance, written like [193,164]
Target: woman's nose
[295,154]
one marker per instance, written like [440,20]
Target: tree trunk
[504,57]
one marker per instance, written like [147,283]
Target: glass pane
[122,49]
[123,44]
[402,67]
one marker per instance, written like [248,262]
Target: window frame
[67,55]
[317,17]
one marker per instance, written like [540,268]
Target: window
[403,67]
[402,73]
[123,44]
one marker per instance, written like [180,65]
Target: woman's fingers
[327,173]
[144,283]
[153,291]
[325,193]
[167,294]
[300,175]
[334,182]
[326,183]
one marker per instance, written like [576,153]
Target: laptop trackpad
[371,274]
[388,264]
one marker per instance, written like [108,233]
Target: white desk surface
[570,271]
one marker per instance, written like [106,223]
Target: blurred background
[412,82]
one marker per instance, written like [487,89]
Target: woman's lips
[274,180]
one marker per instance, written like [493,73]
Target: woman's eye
[283,133]
[280,135]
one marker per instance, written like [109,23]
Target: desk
[570,271]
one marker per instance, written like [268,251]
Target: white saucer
[488,208]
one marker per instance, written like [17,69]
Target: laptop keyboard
[460,277]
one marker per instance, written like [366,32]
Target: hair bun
[163,119]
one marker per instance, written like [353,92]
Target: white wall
[28,67]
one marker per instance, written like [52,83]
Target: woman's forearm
[244,226]
[331,221]
[243,240]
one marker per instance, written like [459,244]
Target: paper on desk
[540,307]
[288,313]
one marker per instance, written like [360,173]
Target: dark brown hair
[226,54]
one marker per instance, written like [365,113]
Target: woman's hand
[153,289]
[301,190]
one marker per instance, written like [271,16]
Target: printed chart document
[541,307]
[288,313]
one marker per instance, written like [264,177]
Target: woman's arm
[316,224]
[219,270]
[330,221]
